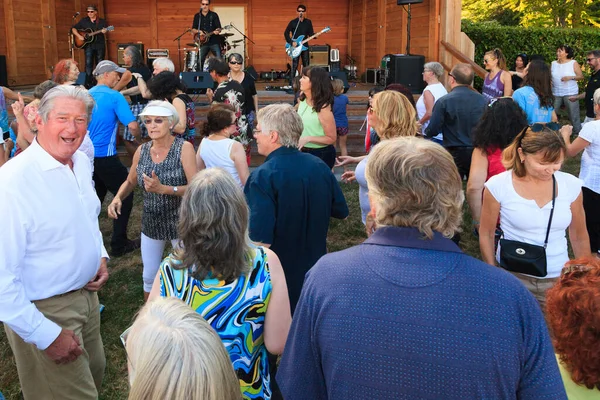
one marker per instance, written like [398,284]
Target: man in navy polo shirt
[408,315]
[291,196]
[109,173]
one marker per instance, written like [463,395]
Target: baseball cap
[92,8]
[105,66]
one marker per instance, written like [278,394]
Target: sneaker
[128,248]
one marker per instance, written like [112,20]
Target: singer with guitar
[206,28]
[297,27]
[95,50]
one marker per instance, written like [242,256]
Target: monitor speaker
[197,82]
[402,2]
[406,70]
[319,55]
[121,48]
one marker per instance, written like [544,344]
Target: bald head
[463,74]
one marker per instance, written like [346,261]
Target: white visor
[156,111]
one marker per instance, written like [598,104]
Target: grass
[122,294]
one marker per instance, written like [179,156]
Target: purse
[525,258]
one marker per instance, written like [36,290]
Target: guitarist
[207,21]
[297,27]
[94,52]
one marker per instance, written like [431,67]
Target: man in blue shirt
[456,114]
[406,314]
[291,196]
[109,173]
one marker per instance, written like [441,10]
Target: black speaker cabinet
[342,76]
[402,2]
[3,72]
[406,70]
[121,48]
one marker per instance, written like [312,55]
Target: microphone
[76,14]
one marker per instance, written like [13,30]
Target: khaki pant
[39,376]
[537,287]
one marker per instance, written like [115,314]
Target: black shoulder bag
[525,258]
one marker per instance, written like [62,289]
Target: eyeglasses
[575,268]
[450,74]
[538,126]
[235,62]
[371,110]
[487,61]
[157,121]
[301,11]
[590,59]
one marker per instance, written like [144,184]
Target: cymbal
[237,41]
[192,44]
[227,34]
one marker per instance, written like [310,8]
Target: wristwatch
[175,189]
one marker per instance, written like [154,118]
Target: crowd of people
[247,303]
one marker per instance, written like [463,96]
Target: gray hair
[173,119]
[597,97]
[164,63]
[414,183]
[213,227]
[169,339]
[135,54]
[435,67]
[283,119]
[235,56]
[595,53]
[74,92]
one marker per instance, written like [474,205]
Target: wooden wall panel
[2,30]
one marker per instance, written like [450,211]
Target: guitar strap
[295,30]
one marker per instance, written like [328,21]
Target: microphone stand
[245,38]
[178,39]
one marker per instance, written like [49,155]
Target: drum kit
[191,53]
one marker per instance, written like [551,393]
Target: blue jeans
[215,48]
[573,109]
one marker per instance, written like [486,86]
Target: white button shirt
[50,241]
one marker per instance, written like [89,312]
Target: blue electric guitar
[294,52]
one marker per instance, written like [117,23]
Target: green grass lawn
[123,295]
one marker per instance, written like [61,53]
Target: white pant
[152,256]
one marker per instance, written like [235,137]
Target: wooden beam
[153,25]
[49,34]
[11,43]
[464,59]
[381,28]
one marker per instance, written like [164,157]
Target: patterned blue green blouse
[236,311]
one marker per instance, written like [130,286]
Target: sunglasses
[91,12]
[538,126]
[487,61]
[590,59]
[301,11]
[157,121]
[235,62]
[494,100]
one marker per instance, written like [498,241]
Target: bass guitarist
[297,27]
[94,51]
[206,23]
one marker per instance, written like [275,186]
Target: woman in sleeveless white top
[432,73]
[565,74]
[217,149]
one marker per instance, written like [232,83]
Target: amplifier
[319,55]
[153,54]
[121,48]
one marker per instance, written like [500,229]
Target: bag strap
[552,210]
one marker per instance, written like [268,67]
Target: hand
[210,94]
[114,208]
[65,348]
[573,98]
[566,132]
[100,279]
[567,78]
[152,184]
[104,30]
[293,44]
[344,160]
[349,176]
[302,142]
[137,75]
[8,145]
[18,106]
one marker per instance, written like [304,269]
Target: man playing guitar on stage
[96,49]
[206,23]
[296,27]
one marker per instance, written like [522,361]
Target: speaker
[342,76]
[3,72]
[406,70]
[153,54]
[402,2]
[252,72]
[319,55]
[81,79]
[196,82]
[121,48]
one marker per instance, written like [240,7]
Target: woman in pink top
[499,125]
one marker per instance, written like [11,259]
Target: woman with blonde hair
[173,353]
[497,82]
[536,203]
[238,287]
[392,115]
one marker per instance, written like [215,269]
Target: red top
[495,166]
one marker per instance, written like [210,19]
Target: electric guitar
[202,37]
[88,36]
[294,52]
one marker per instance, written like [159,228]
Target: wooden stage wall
[33,33]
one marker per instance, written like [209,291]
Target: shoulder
[498,184]
[572,183]
[590,131]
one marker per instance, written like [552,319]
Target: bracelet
[474,222]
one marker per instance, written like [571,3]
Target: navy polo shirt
[292,196]
[403,317]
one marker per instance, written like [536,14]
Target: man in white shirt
[53,258]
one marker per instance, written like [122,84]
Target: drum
[191,61]
[225,47]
